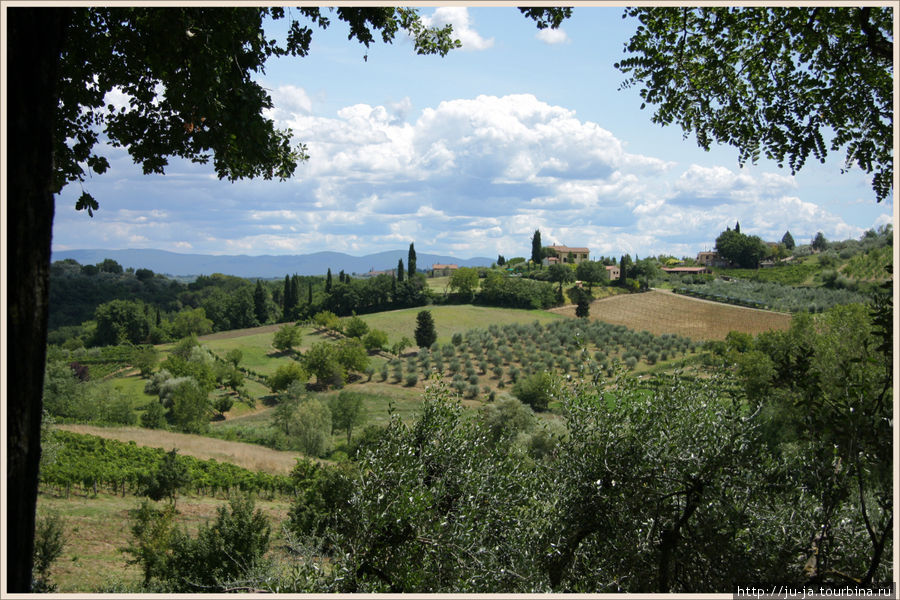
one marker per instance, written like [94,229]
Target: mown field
[662,312]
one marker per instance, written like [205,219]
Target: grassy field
[449,320]
[662,312]
[97,529]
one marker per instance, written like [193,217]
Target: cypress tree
[536,247]
[425,333]
[788,240]
[295,292]
[737,226]
[309,298]
[328,281]
[259,303]
[411,261]
[287,302]
[400,270]
[342,277]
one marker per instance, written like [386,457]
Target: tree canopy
[772,82]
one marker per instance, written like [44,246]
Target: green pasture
[449,320]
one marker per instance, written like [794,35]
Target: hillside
[266,266]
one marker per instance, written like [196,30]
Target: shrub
[375,340]
[355,327]
[286,338]
[287,374]
[535,390]
[411,379]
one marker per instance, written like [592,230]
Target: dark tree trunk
[34,41]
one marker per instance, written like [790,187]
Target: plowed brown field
[663,312]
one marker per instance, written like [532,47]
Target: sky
[467,155]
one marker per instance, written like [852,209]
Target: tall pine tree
[328,281]
[286,302]
[400,270]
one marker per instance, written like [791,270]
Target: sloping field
[249,456]
[663,312]
[452,319]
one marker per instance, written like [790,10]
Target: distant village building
[439,270]
[614,272]
[566,255]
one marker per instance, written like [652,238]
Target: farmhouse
[686,270]
[567,255]
[438,270]
[711,259]
[613,271]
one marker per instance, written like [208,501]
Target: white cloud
[552,36]
[458,17]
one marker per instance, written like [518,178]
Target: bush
[535,390]
[49,541]
[287,374]
[375,340]
[356,327]
[411,379]
[286,338]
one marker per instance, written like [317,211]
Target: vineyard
[771,296]
[91,464]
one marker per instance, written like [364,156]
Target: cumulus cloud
[552,36]
[473,176]
[463,30]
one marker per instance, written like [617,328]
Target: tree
[49,540]
[561,273]
[535,390]
[501,260]
[375,340]
[400,270]
[536,246]
[260,303]
[313,427]
[425,334]
[347,411]
[328,281]
[289,301]
[191,321]
[592,272]
[737,226]
[582,298]
[464,281]
[287,337]
[286,375]
[744,250]
[211,107]
[411,261]
[356,327]
[693,64]
[234,356]
[321,360]
[819,242]
[788,240]
[191,409]
[120,321]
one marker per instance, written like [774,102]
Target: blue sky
[467,155]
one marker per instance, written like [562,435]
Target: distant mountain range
[266,266]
